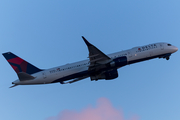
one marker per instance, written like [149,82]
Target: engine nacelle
[118,62]
[108,75]
[110,71]
[111,74]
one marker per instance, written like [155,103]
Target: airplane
[98,66]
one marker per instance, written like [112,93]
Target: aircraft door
[161,46]
[44,75]
[129,54]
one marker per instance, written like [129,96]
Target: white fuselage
[80,69]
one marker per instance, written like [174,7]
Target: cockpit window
[169,44]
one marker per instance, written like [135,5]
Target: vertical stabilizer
[20,65]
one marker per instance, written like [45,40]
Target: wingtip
[84,38]
[87,43]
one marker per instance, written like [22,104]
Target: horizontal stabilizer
[13,86]
[24,76]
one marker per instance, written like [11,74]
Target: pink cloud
[103,111]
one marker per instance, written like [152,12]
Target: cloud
[103,111]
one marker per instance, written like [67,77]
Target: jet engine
[110,71]
[118,62]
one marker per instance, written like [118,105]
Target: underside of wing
[74,80]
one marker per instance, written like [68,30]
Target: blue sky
[48,34]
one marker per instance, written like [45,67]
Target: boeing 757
[97,66]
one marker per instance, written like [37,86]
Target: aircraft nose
[175,49]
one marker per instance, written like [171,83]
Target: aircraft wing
[97,57]
[75,80]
